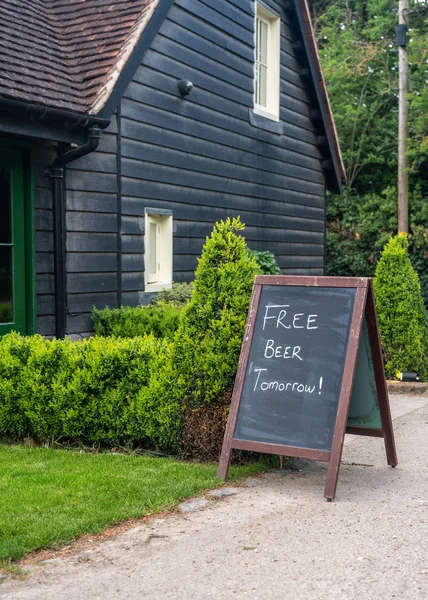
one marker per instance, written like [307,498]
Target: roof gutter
[36,112]
[56,173]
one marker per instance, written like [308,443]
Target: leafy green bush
[266,261]
[107,390]
[179,295]
[83,391]
[161,321]
[359,225]
[206,348]
[401,312]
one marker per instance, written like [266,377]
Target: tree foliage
[360,62]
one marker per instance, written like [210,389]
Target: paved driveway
[275,538]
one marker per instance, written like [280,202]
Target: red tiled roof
[67,54]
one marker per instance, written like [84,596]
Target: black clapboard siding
[100,162]
[133,281]
[208,15]
[184,276]
[91,222]
[232,13]
[206,48]
[44,240]
[43,219]
[149,153]
[45,304]
[92,282]
[167,47]
[44,263]
[185,262]
[81,303]
[305,271]
[201,158]
[85,262]
[80,323]
[132,298]
[91,181]
[46,325]
[251,233]
[132,244]
[133,263]
[213,140]
[246,137]
[195,214]
[224,199]
[45,284]
[43,156]
[198,180]
[196,111]
[92,232]
[187,245]
[93,202]
[209,32]
[91,242]
[131,224]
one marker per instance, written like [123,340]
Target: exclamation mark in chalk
[320,385]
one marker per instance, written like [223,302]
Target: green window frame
[21,242]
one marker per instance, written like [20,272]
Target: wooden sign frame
[364,306]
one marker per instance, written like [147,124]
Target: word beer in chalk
[290,387]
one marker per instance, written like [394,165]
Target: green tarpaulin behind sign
[364,410]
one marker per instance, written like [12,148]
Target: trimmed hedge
[161,321]
[87,391]
[179,295]
[401,312]
[172,394]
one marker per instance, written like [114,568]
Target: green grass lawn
[49,497]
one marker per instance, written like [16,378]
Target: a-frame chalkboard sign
[310,370]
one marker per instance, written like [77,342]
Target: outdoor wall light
[409,376]
[185,87]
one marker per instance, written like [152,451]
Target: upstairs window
[267,63]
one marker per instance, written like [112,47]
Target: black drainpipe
[56,173]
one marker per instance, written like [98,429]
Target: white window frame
[273,23]
[159,278]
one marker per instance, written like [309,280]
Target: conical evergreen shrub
[400,309]
[209,337]
[205,352]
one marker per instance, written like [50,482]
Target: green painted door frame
[16,242]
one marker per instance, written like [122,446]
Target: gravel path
[275,538]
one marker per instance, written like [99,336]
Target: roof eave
[303,15]
[108,99]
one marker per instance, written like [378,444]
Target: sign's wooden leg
[223,467]
[345,393]
[382,390]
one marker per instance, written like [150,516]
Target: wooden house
[128,127]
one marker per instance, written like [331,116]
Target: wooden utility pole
[403,127]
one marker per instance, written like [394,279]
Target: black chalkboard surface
[310,370]
[295,368]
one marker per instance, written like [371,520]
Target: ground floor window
[158,249]
[13,270]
